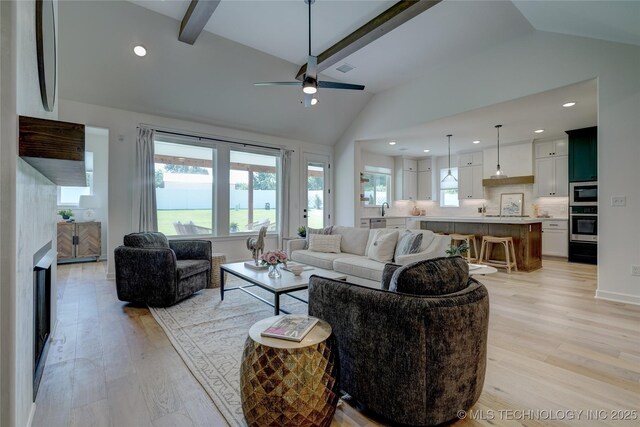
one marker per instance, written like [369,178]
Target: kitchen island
[526,233]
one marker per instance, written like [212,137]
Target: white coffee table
[284,284]
[482,270]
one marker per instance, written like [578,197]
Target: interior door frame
[328,205]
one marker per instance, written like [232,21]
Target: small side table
[216,260]
[286,383]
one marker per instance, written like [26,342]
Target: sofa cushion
[360,267]
[189,267]
[373,235]
[427,238]
[438,276]
[408,243]
[354,240]
[326,244]
[317,259]
[148,240]
[309,231]
[383,247]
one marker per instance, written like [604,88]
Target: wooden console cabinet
[79,240]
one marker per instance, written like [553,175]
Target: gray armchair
[414,359]
[152,270]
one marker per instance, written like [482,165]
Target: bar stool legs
[509,252]
[468,238]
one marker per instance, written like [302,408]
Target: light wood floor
[552,346]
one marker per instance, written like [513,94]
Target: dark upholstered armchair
[152,270]
[414,359]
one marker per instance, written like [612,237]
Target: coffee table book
[290,327]
[253,266]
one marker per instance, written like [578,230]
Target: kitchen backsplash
[556,207]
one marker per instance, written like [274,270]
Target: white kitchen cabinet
[409,185]
[555,238]
[396,223]
[410,165]
[425,165]
[425,186]
[470,159]
[406,186]
[413,223]
[552,177]
[554,148]
[470,182]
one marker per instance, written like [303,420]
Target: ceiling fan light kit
[310,83]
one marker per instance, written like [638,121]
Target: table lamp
[89,203]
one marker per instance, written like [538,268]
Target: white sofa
[353,260]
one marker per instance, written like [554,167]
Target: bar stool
[468,238]
[509,252]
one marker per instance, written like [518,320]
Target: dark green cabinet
[583,154]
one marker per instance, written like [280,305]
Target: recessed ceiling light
[539,130]
[140,50]
[476,142]
[426,151]
[568,104]
[392,143]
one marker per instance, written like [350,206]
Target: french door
[316,212]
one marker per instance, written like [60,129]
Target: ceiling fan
[310,83]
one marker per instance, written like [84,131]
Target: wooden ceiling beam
[195,19]
[391,18]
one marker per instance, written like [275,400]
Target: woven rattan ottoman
[216,260]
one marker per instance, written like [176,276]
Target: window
[184,188]
[377,189]
[253,191]
[70,196]
[449,188]
[189,174]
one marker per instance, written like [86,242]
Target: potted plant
[66,214]
[302,231]
[459,250]
[234,227]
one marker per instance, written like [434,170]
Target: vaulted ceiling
[250,41]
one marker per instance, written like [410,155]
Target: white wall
[531,64]
[122,136]
[27,205]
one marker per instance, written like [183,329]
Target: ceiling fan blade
[336,85]
[306,100]
[312,67]
[278,84]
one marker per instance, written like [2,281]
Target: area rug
[209,335]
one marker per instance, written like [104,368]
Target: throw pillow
[147,239]
[310,231]
[325,243]
[408,243]
[438,276]
[383,246]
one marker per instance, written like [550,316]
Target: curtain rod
[211,138]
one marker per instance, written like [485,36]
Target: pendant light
[499,173]
[449,176]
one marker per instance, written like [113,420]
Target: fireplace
[42,261]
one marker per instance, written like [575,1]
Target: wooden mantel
[55,149]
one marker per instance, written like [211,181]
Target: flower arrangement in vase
[272,259]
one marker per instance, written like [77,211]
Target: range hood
[55,149]
[512,180]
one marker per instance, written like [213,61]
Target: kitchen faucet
[385,203]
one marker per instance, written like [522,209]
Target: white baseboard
[32,413]
[618,297]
